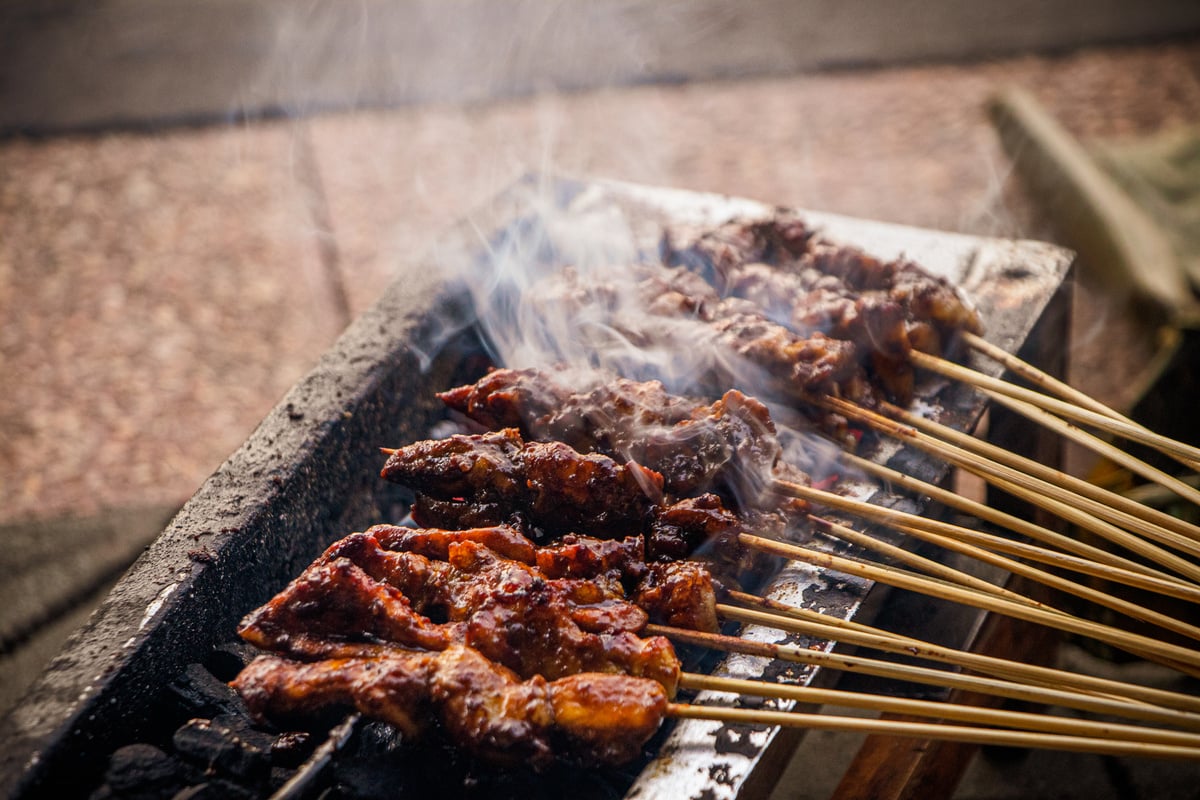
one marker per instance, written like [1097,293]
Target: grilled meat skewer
[483,707]
[729,447]
[472,481]
[556,487]
[651,310]
[359,595]
[822,285]
[676,593]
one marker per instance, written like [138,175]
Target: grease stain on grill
[719,774]
[1016,272]
[787,672]
[737,740]
[203,555]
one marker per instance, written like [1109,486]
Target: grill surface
[309,475]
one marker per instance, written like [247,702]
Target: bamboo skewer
[1038,492]
[1103,422]
[1097,445]
[935,584]
[1183,568]
[1003,668]
[1118,510]
[1175,656]
[926,565]
[933,730]
[799,612]
[1123,703]
[931,531]
[1055,478]
[1054,386]
[1122,568]
[1131,609]
[1151,583]
[935,709]
[1034,375]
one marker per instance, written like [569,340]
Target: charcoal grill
[309,475]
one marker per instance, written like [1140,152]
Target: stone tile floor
[160,291]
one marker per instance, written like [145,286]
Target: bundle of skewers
[587,522]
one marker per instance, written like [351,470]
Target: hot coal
[291,748]
[199,693]
[216,789]
[214,751]
[145,770]
[226,745]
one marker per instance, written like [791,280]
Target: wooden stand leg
[890,768]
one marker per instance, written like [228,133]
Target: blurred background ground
[162,285]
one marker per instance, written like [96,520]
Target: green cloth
[1162,175]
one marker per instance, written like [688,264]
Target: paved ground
[159,292]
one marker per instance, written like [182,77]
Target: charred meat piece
[925,298]
[487,466]
[588,410]
[281,689]
[483,707]
[888,307]
[459,512]
[555,487]
[336,602]
[585,557]
[679,593]
[455,587]
[797,367]
[702,526]
[435,543]
[810,303]
[716,252]
[606,719]
[703,529]
[545,404]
